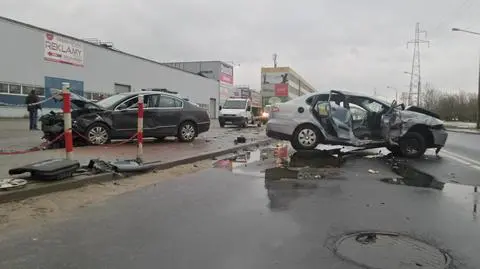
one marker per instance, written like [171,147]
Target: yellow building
[280,84]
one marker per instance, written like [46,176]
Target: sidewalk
[460,125]
[464,130]
[14,137]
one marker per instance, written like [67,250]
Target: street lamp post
[396,92]
[478,94]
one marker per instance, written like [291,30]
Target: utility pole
[415,75]
[275,56]
[478,94]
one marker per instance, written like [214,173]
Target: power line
[415,75]
[465,4]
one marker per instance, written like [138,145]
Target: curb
[463,132]
[80,181]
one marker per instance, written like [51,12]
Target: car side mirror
[219,107]
[249,108]
[323,109]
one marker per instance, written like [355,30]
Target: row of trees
[461,106]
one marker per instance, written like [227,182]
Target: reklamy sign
[226,74]
[63,50]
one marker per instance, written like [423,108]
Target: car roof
[149,92]
[349,93]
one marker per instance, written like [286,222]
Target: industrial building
[35,58]
[219,71]
[280,84]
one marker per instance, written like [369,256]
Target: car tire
[395,150]
[305,137]
[187,131]
[245,123]
[412,145]
[98,134]
[222,124]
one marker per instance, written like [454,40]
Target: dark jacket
[31,99]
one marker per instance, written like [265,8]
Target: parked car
[354,119]
[115,117]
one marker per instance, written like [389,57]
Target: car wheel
[412,145]
[187,131]
[305,137]
[245,123]
[222,124]
[98,134]
[395,150]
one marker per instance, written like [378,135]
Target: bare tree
[450,106]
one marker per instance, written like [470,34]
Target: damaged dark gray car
[116,118]
[354,119]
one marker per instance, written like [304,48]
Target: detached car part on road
[353,119]
[116,118]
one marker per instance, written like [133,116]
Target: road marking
[462,159]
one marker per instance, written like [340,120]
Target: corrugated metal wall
[22,61]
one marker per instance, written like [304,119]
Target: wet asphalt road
[459,160]
[465,145]
[220,219]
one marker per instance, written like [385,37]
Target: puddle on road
[286,176]
[274,163]
[467,195]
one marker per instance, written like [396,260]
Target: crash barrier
[32,104]
[67,134]
[130,139]
[42,146]
[140,129]
[67,120]
[48,144]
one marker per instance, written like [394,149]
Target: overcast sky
[348,44]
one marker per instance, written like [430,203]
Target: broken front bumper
[439,137]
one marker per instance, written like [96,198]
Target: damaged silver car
[354,119]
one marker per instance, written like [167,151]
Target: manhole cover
[389,250]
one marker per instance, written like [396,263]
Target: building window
[4,87]
[15,89]
[40,91]
[27,89]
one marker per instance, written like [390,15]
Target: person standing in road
[32,107]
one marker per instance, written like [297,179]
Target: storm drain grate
[382,250]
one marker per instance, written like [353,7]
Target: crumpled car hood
[412,118]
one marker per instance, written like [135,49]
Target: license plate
[228,122]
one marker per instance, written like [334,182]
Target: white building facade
[36,58]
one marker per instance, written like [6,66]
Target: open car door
[334,115]
[391,123]
[340,116]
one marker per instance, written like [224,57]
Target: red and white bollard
[67,120]
[140,129]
